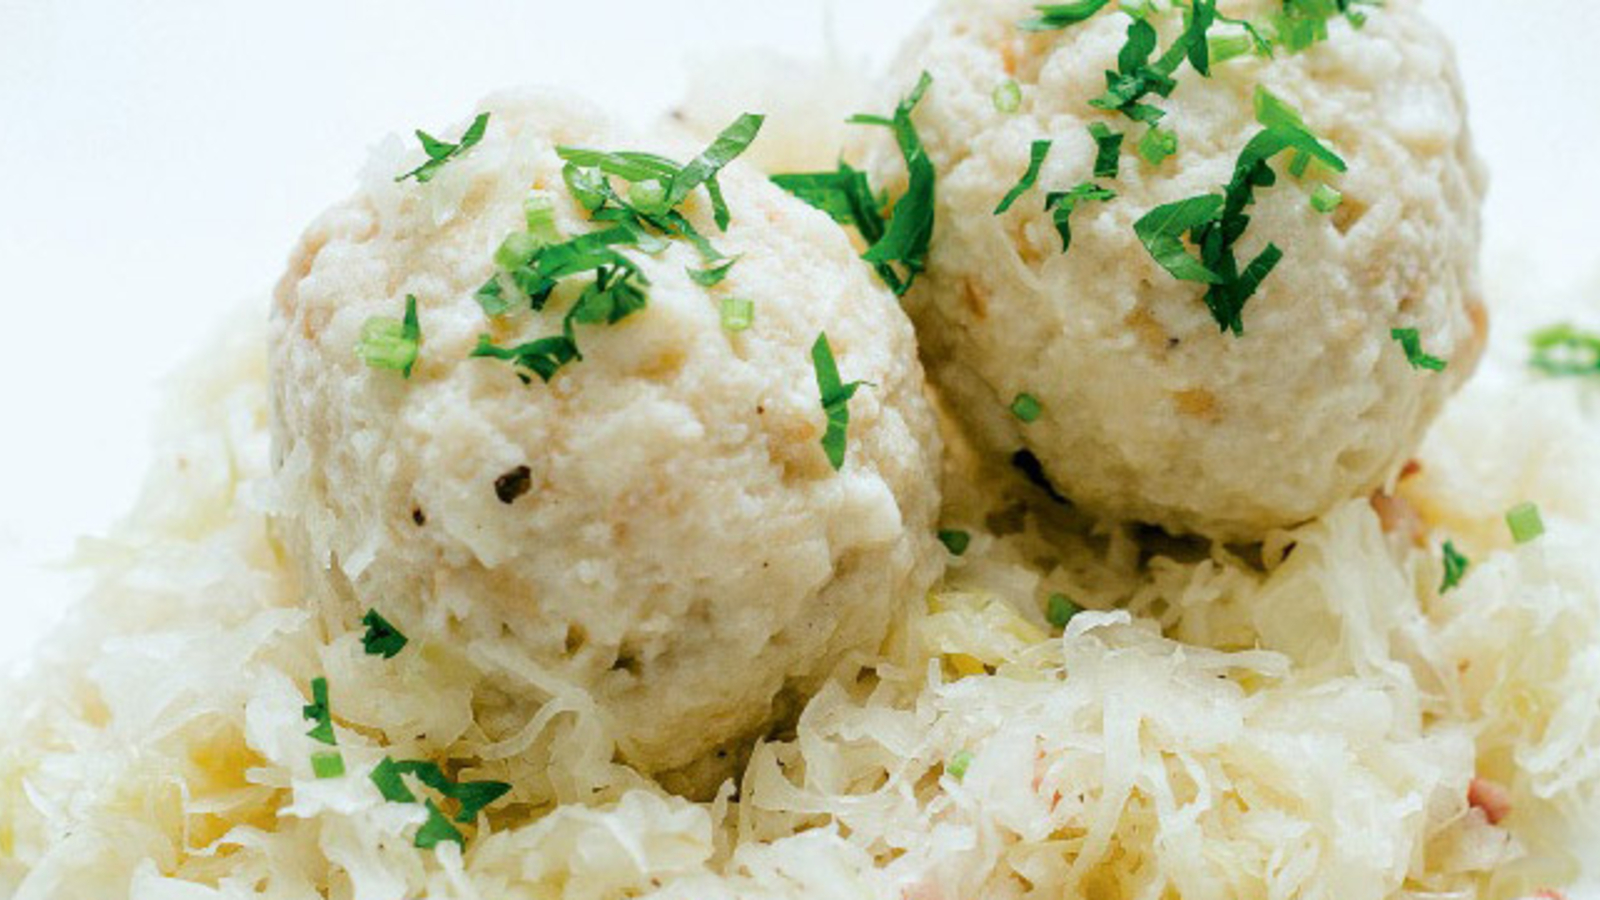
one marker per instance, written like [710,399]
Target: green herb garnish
[737,314]
[437,830]
[441,152]
[390,343]
[543,357]
[712,275]
[1525,522]
[955,541]
[1036,157]
[1008,96]
[1027,408]
[959,764]
[1060,610]
[897,244]
[836,397]
[1054,16]
[1062,204]
[472,796]
[318,712]
[703,169]
[1326,198]
[327,764]
[1564,351]
[1455,567]
[381,639]
[1108,150]
[1411,341]
[1158,144]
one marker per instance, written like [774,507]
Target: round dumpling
[1132,396]
[659,526]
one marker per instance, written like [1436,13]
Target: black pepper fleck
[513,484]
[418,516]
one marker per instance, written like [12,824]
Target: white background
[159,158]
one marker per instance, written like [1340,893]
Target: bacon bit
[1412,469]
[1492,798]
[1548,894]
[1399,517]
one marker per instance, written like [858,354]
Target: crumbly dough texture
[1149,413]
[684,553]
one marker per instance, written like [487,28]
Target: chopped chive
[517,250]
[1036,157]
[1455,567]
[959,764]
[327,764]
[389,344]
[737,313]
[1008,96]
[1158,144]
[381,639]
[1108,150]
[1027,408]
[1526,523]
[1326,198]
[1230,46]
[649,197]
[1054,16]
[441,152]
[955,541]
[1060,610]
[836,397]
[539,210]
[1565,351]
[1411,341]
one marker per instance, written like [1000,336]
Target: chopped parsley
[1525,522]
[437,830]
[955,541]
[959,764]
[381,639]
[1008,96]
[1411,341]
[1055,16]
[1157,145]
[703,169]
[1565,351]
[1036,158]
[441,152]
[319,713]
[471,797]
[1108,150]
[392,343]
[836,397]
[897,245]
[543,357]
[1060,610]
[1455,567]
[1027,408]
[712,275]
[737,314]
[1215,223]
[1062,204]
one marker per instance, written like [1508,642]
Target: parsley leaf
[392,344]
[1455,567]
[1411,341]
[1566,352]
[318,712]
[543,357]
[1061,610]
[1063,204]
[441,152]
[712,275]
[473,796]
[1055,16]
[835,395]
[382,639]
[437,830]
[955,541]
[703,169]
[1037,154]
[845,195]
[1108,155]
[1157,144]
[910,231]
[1162,229]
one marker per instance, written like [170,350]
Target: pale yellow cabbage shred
[1306,724]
